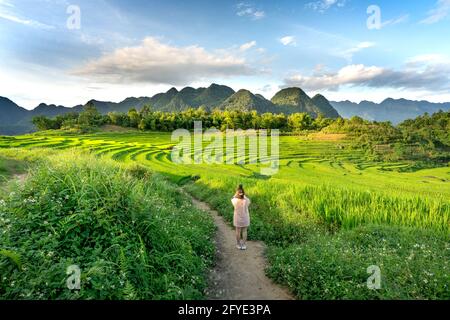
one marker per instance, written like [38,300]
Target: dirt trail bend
[238,275]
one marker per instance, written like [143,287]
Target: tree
[43,123]
[89,116]
[134,118]
[299,122]
[145,111]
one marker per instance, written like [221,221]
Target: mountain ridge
[215,96]
[394,110]
[15,119]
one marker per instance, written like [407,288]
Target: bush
[414,265]
[133,235]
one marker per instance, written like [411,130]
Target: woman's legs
[238,235]
[244,235]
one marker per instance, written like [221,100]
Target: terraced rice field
[303,162]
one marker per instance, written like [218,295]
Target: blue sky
[139,48]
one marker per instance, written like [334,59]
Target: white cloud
[428,59]
[6,3]
[440,12]
[26,22]
[159,63]
[247,10]
[323,5]
[349,53]
[288,41]
[247,46]
[429,73]
[352,74]
[398,20]
[91,40]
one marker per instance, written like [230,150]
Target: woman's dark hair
[240,193]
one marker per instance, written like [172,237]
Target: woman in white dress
[241,219]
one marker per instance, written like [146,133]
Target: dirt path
[239,275]
[20,178]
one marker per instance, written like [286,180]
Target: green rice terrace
[328,214]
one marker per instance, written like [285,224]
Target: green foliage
[147,119]
[84,122]
[322,239]
[413,265]
[90,117]
[425,139]
[133,235]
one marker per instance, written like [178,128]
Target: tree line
[147,119]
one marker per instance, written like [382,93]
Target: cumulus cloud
[418,73]
[247,10]
[438,13]
[324,5]
[155,62]
[288,41]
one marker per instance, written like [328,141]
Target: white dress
[241,213]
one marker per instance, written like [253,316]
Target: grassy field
[131,232]
[329,214]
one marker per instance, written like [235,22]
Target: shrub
[133,235]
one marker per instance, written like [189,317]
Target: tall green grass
[322,239]
[133,235]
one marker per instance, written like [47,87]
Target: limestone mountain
[324,106]
[174,100]
[214,96]
[295,100]
[244,100]
[10,112]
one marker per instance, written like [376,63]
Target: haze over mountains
[17,120]
[394,110]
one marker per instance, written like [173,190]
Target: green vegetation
[133,235]
[322,240]
[424,140]
[337,205]
[146,119]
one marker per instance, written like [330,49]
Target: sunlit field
[328,179]
[327,215]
